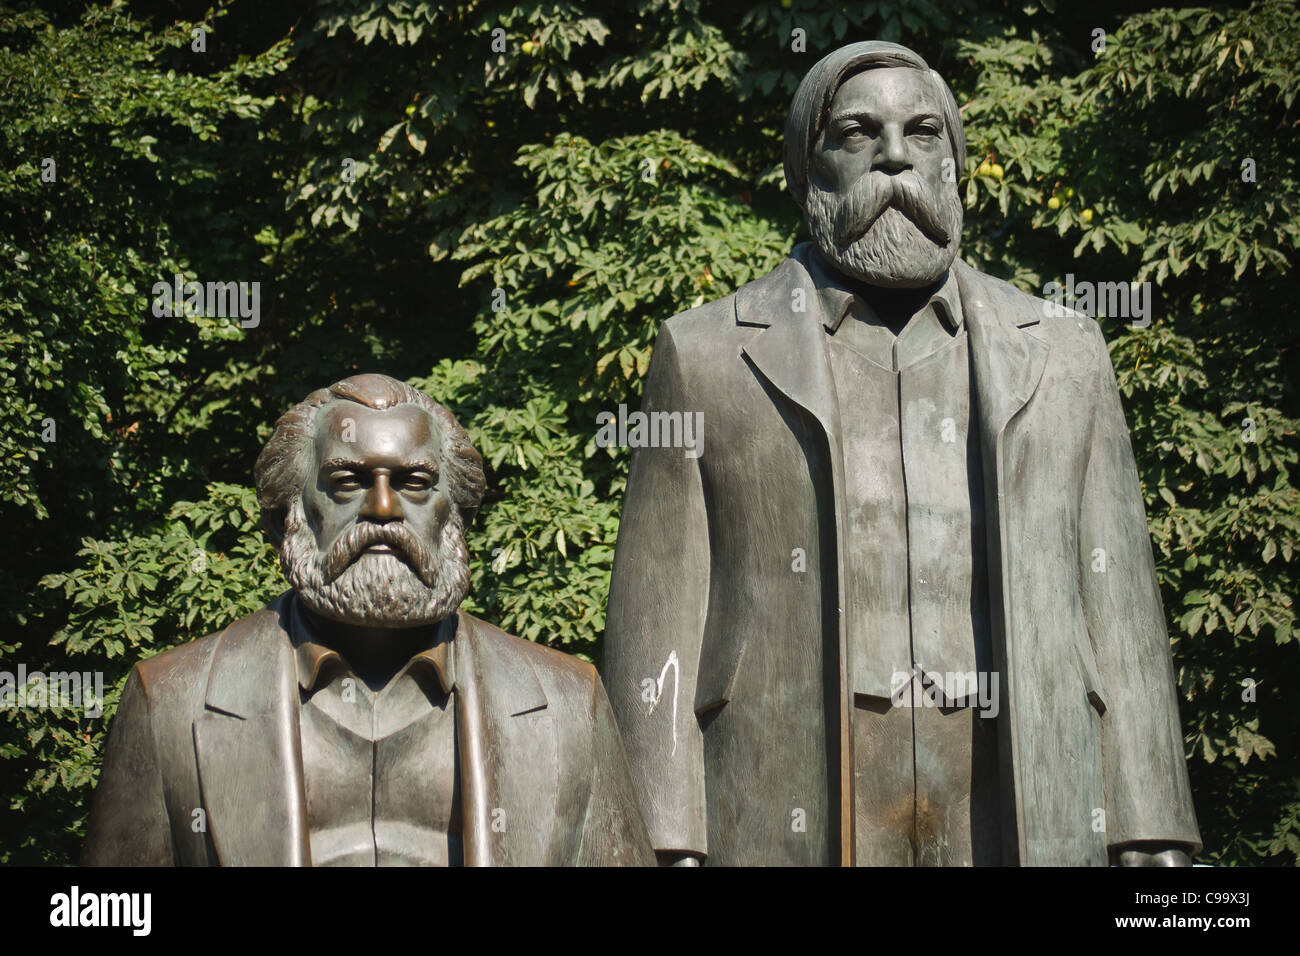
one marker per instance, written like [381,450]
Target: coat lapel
[1008,355]
[509,759]
[247,746]
[1007,350]
[791,355]
[250,756]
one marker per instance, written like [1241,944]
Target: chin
[378,589]
[893,254]
[390,609]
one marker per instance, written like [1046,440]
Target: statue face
[387,473]
[878,205]
[375,539]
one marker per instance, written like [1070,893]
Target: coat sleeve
[1147,793]
[129,825]
[655,621]
[613,833]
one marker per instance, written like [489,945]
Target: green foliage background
[620,168]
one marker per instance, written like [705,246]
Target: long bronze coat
[723,660]
[213,725]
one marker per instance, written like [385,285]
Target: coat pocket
[1086,662]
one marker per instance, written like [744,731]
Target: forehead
[887,91]
[384,436]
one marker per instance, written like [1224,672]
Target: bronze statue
[361,719]
[903,610]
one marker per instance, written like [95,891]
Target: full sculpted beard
[886,230]
[376,590]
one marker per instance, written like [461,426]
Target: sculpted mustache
[871,195]
[361,536]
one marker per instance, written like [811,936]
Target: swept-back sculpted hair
[812,101]
[283,468]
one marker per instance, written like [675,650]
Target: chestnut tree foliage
[500,202]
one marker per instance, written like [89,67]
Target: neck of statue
[374,654]
[895,307]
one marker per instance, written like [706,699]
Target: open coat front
[725,641]
[213,726]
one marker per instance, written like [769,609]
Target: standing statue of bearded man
[903,611]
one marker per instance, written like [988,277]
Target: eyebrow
[849,114]
[352,464]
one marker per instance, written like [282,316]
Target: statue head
[866,141]
[366,488]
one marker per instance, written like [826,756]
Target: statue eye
[419,481]
[345,481]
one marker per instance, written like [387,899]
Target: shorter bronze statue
[361,719]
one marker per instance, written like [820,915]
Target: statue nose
[381,503]
[892,155]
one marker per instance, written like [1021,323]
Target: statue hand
[676,858]
[1153,854]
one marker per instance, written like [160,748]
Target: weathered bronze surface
[903,609]
[361,719]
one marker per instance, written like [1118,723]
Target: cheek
[431,514]
[931,154]
[931,162]
[819,166]
[311,507]
[827,164]
[324,517]
[839,169]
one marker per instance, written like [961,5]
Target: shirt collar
[315,659]
[836,300]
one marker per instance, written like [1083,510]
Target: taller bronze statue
[903,609]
